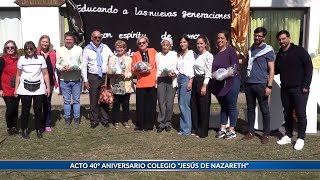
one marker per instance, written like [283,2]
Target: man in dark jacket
[294,65]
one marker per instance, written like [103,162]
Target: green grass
[111,144]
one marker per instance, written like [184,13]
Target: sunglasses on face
[29,48]
[143,42]
[97,37]
[10,47]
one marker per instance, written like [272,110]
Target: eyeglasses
[97,37]
[29,48]
[10,47]
[143,42]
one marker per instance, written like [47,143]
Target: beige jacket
[129,86]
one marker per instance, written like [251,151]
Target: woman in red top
[45,49]
[8,71]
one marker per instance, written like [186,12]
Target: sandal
[116,125]
[126,125]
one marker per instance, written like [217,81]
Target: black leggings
[12,105]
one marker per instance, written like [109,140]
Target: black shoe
[14,130]
[138,129]
[168,129]
[10,132]
[106,125]
[39,134]
[160,130]
[94,125]
[25,134]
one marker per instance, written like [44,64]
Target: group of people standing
[185,72]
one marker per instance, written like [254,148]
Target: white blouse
[31,71]
[185,64]
[167,61]
[203,66]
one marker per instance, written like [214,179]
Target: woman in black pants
[32,83]
[8,71]
[200,95]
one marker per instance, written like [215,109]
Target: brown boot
[248,136]
[265,139]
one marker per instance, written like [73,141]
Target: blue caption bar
[161,165]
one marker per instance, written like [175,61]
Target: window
[275,20]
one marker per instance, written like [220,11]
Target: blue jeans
[228,104]
[68,89]
[184,98]
[47,109]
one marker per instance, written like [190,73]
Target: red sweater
[145,80]
[8,70]
[52,55]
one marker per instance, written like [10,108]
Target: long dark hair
[184,36]
[16,52]
[30,44]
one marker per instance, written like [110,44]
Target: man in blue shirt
[260,72]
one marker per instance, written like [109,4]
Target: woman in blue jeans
[185,74]
[227,90]
[69,58]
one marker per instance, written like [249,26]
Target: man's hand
[67,68]
[267,91]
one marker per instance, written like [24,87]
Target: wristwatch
[270,87]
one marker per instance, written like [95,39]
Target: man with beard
[294,65]
[260,72]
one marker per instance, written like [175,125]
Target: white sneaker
[299,144]
[284,140]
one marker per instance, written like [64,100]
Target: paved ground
[84,99]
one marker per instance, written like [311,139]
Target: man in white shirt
[94,68]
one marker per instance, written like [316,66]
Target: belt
[199,75]
[97,74]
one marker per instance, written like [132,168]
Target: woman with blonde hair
[45,49]
[121,83]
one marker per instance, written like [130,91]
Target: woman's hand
[48,92]
[15,93]
[1,93]
[203,90]
[189,86]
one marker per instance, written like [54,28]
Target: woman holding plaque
[121,83]
[185,77]
[69,59]
[166,83]
[144,66]
[45,49]
[200,96]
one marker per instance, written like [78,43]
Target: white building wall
[38,21]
